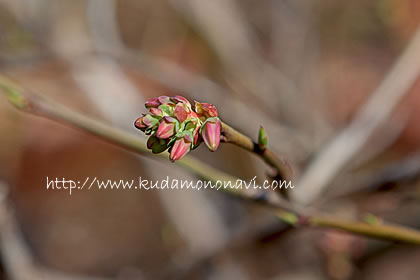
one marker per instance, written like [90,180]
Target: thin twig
[233,136]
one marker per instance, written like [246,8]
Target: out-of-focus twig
[281,208]
[405,169]
[372,115]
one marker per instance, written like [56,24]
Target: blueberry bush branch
[33,104]
[282,167]
[175,125]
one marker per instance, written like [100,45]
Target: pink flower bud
[181,99]
[196,136]
[211,133]
[152,103]
[149,121]
[181,147]
[139,124]
[206,109]
[192,115]
[156,111]
[164,99]
[167,127]
[180,113]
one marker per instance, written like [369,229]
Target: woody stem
[282,167]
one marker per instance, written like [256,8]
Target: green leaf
[262,138]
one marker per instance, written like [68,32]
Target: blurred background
[301,68]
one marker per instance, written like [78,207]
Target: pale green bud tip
[262,138]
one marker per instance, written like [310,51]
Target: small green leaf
[289,218]
[372,219]
[13,92]
[262,138]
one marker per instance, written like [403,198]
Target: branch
[235,137]
[287,212]
[35,104]
[388,232]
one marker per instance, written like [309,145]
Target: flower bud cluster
[175,125]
